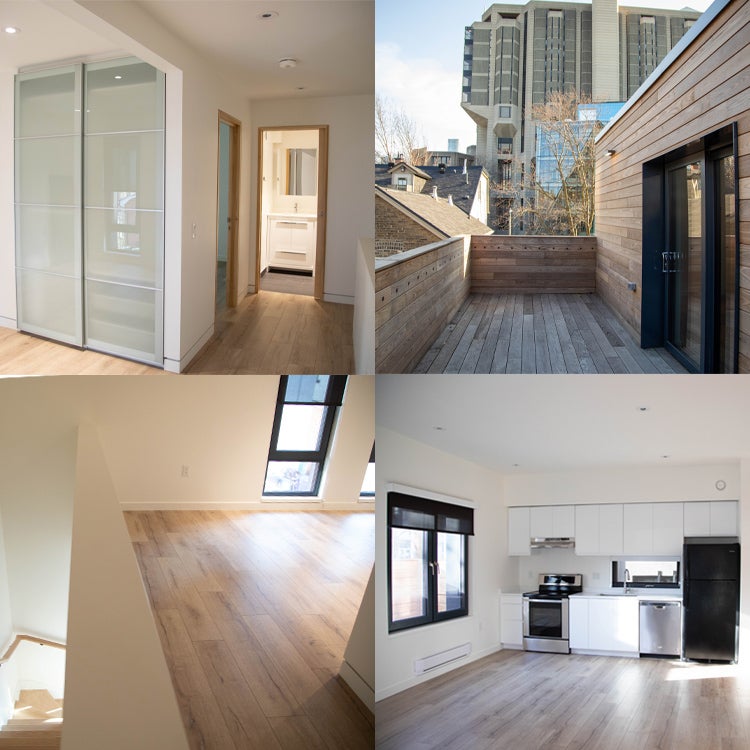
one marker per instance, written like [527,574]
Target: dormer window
[401,183]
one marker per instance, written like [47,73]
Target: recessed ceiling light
[643,408]
[301,88]
[515,466]
[665,456]
[11,29]
[438,428]
[287,62]
[267,15]
[118,78]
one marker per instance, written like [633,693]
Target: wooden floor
[516,700]
[22,354]
[280,334]
[540,333]
[289,283]
[254,611]
[267,333]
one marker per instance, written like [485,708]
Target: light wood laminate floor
[540,333]
[22,354]
[267,333]
[280,334]
[254,611]
[516,700]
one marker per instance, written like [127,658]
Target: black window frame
[444,515]
[368,495]
[333,399]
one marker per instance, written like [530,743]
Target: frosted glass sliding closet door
[124,208]
[48,203]
[90,226]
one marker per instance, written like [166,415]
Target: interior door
[682,263]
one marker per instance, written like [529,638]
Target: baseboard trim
[8,322]
[399,687]
[180,365]
[342,299]
[358,686]
[349,507]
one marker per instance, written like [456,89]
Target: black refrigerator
[710,598]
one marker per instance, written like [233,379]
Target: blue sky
[419,55]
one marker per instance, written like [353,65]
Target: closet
[89,171]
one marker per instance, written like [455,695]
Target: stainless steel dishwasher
[661,628]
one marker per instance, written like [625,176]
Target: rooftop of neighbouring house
[448,220]
[462,187]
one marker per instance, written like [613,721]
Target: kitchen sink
[619,593]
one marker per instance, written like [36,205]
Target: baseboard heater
[427,663]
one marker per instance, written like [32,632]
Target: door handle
[669,260]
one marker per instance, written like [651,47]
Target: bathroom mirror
[301,171]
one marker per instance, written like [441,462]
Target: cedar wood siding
[705,88]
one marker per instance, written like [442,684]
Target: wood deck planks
[540,333]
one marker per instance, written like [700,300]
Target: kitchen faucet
[628,578]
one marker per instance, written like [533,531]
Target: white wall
[364,308]
[623,485]
[404,461]
[225,177]
[118,692]
[351,209]
[7,219]
[36,497]
[40,668]
[745,564]
[358,667]
[7,675]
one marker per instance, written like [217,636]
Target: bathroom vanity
[291,241]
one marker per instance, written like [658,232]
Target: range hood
[552,542]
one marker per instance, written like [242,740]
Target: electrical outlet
[185,471]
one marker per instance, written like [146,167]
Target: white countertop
[642,595]
[292,215]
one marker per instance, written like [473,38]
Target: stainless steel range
[545,612]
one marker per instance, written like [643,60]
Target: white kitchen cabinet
[518,531]
[578,622]
[724,519]
[667,528]
[511,621]
[598,529]
[604,623]
[552,521]
[638,529]
[711,518]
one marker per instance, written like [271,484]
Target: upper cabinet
[622,529]
[711,519]
[552,521]
[518,531]
[598,529]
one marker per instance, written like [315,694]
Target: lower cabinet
[511,621]
[604,623]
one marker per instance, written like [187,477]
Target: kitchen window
[428,560]
[306,409]
[661,574]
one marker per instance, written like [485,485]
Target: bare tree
[558,196]
[397,134]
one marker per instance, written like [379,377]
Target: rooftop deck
[540,333]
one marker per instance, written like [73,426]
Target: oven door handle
[542,601]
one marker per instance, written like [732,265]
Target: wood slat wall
[415,299]
[533,264]
[705,89]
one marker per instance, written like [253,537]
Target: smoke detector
[287,62]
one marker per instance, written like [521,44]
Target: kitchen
[625,469]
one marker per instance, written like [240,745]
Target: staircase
[36,723]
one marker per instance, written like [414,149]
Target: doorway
[292,194]
[227,216]
[690,254]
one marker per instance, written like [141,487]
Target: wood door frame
[235,129]
[322,204]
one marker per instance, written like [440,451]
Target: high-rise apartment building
[518,54]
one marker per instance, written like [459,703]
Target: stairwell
[36,723]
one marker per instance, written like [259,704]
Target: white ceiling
[46,36]
[569,422]
[333,41]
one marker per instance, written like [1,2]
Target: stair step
[39,700]
[30,740]
[32,723]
